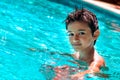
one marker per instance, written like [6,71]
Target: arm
[94,67]
[62,73]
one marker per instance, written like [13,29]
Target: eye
[70,34]
[81,33]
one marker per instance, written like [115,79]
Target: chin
[77,49]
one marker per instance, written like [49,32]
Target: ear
[96,34]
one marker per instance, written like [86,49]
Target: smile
[76,44]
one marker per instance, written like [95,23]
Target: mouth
[76,44]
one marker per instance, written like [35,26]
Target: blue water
[33,35]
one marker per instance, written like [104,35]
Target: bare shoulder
[97,63]
[99,60]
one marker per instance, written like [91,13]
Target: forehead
[77,26]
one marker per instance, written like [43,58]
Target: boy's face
[80,36]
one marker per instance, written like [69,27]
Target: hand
[62,73]
[78,76]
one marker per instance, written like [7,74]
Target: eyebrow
[78,30]
[69,31]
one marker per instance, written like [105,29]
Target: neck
[86,55]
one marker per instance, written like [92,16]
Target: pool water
[33,39]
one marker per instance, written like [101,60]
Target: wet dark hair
[83,15]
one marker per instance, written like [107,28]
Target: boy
[82,27]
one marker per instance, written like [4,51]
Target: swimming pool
[32,33]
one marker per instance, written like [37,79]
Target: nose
[76,38]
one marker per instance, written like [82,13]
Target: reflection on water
[47,71]
[113,25]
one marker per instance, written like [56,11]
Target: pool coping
[104,5]
[102,9]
